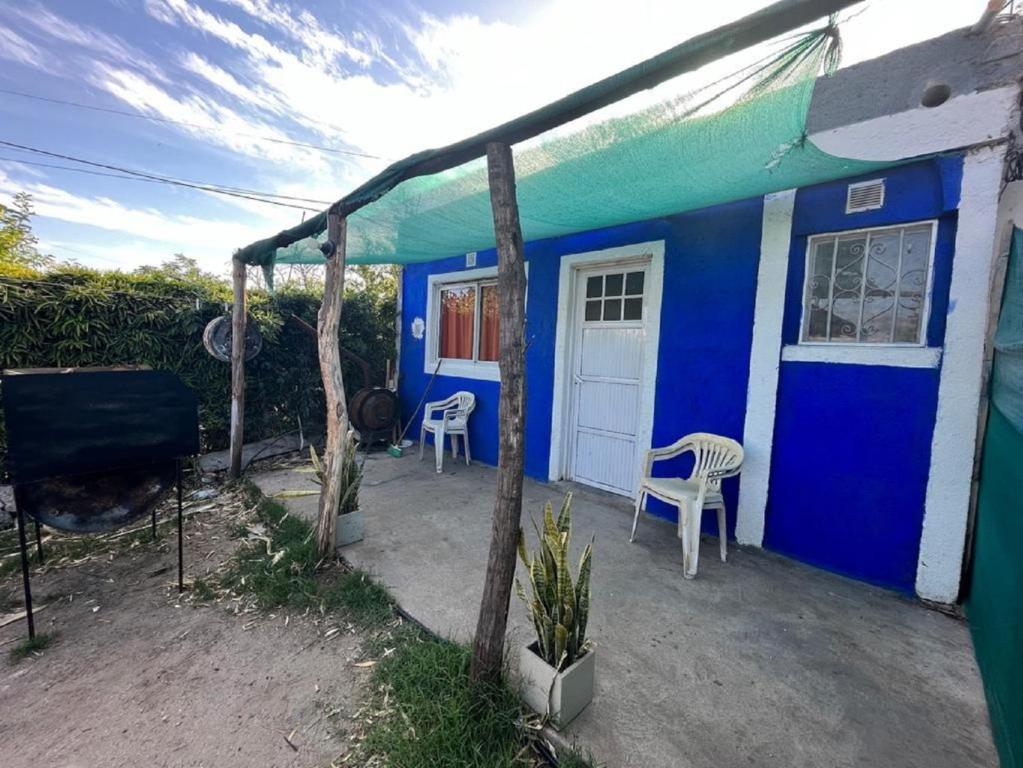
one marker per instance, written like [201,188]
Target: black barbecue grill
[92,449]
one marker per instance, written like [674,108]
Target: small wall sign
[418,328]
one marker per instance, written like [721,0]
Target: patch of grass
[575,759]
[202,590]
[26,648]
[435,717]
[281,573]
[363,600]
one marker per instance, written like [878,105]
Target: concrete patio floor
[758,662]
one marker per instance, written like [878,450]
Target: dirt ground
[138,676]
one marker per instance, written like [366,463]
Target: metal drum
[373,411]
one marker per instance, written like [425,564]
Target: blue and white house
[838,331]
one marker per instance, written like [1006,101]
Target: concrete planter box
[569,691]
[350,528]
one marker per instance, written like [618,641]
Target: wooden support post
[488,648]
[237,367]
[328,323]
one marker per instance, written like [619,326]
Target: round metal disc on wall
[217,338]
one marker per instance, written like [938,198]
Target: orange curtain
[457,312]
[489,323]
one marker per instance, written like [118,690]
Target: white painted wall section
[954,443]
[962,121]
[765,359]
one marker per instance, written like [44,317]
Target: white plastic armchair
[453,421]
[715,458]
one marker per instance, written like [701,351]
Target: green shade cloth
[623,170]
[995,604]
[643,166]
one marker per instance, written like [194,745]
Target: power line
[168,121]
[157,181]
[162,179]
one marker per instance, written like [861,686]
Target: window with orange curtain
[457,318]
[488,323]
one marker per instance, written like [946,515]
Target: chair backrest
[714,452]
[460,401]
[466,401]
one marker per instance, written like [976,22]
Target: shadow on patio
[758,662]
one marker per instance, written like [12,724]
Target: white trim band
[762,390]
[863,354]
[962,121]
[947,504]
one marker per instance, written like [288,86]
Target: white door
[609,347]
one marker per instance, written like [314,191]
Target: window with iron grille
[869,286]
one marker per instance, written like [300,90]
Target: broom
[395,448]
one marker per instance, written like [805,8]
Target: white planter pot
[350,528]
[563,694]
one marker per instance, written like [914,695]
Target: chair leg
[693,529]
[422,441]
[465,444]
[635,519]
[723,534]
[454,445]
[683,532]
[438,449]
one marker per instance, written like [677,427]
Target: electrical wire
[157,181]
[162,179]
[168,121]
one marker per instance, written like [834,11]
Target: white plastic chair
[453,421]
[715,458]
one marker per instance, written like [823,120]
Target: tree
[183,268]
[17,241]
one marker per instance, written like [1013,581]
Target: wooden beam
[488,648]
[237,367]
[328,325]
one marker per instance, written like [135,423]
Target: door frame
[652,254]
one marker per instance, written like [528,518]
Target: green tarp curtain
[383,242]
[995,604]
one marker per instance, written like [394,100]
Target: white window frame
[828,347]
[485,370]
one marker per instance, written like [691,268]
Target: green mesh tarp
[1007,377]
[995,604]
[622,170]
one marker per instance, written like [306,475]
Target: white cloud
[157,234]
[282,72]
[14,47]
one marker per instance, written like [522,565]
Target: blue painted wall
[852,442]
[706,328]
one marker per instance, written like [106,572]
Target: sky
[233,89]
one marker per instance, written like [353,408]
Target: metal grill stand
[23,545]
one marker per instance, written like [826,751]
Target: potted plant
[556,669]
[350,526]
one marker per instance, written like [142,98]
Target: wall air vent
[865,196]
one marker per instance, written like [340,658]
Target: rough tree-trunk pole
[488,648]
[328,323]
[237,367]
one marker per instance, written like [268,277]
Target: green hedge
[79,317]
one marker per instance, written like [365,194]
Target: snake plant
[558,609]
[351,474]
